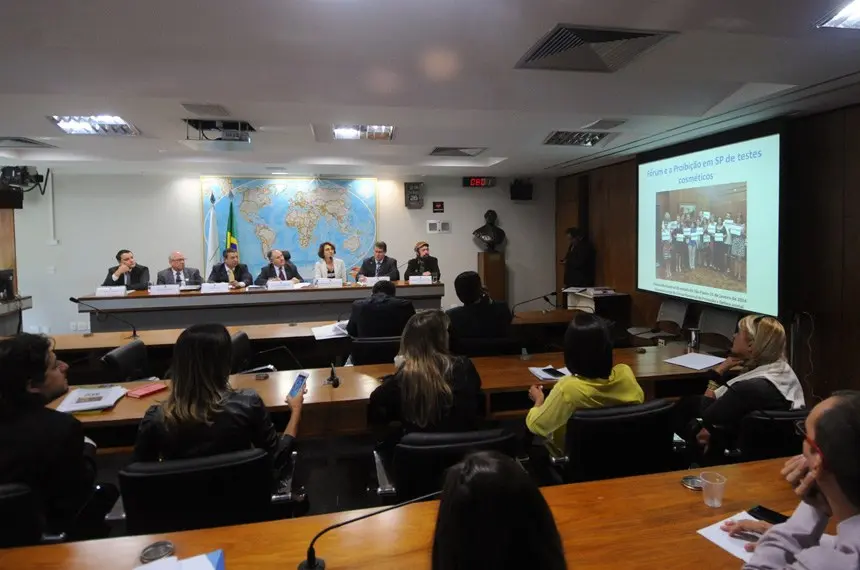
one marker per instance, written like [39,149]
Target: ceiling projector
[19,177]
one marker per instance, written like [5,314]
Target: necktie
[230,276]
[377,268]
[178,278]
[127,278]
[281,275]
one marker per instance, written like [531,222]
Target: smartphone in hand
[299,384]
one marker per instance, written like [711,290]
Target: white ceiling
[441,71]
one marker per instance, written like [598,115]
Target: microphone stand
[314,563]
[332,378]
[544,297]
[98,311]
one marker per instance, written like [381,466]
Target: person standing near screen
[579,260]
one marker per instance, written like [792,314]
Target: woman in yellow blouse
[593,383]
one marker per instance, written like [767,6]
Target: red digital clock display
[478,181]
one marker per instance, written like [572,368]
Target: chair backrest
[671,316]
[374,350]
[22,516]
[226,489]
[127,362]
[717,327]
[421,459]
[241,352]
[769,435]
[484,346]
[620,441]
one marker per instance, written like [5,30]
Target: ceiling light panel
[106,125]
[362,132]
[847,17]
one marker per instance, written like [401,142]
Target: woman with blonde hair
[431,389]
[766,382]
[203,415]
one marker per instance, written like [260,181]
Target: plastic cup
[713,488]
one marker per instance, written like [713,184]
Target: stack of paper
[337,330]
[91,399]
[732,545]
[695,360]
[545,372]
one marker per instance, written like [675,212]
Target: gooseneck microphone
[98,311]
[314,563]
[332,378]
[545,297]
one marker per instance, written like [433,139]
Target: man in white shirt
[128,273]
[177,273]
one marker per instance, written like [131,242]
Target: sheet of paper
[326,332]
[695,360]
[84,399]
[734,546]
[300,285]
[541,374]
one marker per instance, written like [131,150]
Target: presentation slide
[715,235]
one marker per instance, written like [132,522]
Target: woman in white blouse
[329,267]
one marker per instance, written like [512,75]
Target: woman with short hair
[329,266]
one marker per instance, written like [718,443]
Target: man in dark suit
[382,314]
[231,271]
[279,269]
[46,449]
[177,273]
[380,265]
[579,260]
[127,273]
[480,317]
[423,263]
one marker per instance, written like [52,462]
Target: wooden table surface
[646,522]
[498,374]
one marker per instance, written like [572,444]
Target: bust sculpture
[490,235]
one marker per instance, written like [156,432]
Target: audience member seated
[767,383]
[381,314]
[279,269]
[231,271]
[431,390]
[480,316]
[593,382]
[204,416]
[46,449]
[493,516]
[827,479]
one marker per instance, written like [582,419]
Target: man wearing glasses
[827,479]
[177,273]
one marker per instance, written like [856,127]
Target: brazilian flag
[232,239]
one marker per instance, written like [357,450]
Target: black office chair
[717,329]
[20,509]
[472,347]
[165,496]
[419,460]
[670,321]
[768,435]
[374,350]
[245,361]
[127,362]
[618,442]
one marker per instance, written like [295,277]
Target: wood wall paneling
[566,216]
[7,242]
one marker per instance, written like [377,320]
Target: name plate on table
[164,290]
[332,283]
[276,285]
[371,281]
[215,288]
[421,280]
[111,291]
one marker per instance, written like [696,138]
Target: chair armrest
[259,369]
[53,538]
[284,492]
[733,453]
[385,487]
[556,456]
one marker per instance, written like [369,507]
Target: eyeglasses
[800,429]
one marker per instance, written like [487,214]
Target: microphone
[332,378]
[98,311]
[545,297]
[314,563]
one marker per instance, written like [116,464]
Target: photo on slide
[702,236]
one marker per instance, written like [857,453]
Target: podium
[494,274]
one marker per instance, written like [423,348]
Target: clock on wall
[479,181]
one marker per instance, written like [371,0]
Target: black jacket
[385,401]
[742,398]
[379,315]
[45,449]
[243,423]
[388,268]
[484,319]
[241,273]
[418,265]
[579,265]
[138,278]
[270,272]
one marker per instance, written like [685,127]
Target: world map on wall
[295,215]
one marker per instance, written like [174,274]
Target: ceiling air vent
[572,48]
[574,138]
[206,109]
[457,151]
[21,142]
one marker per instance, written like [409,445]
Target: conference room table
[645,522]
[331,411]
[148,311]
